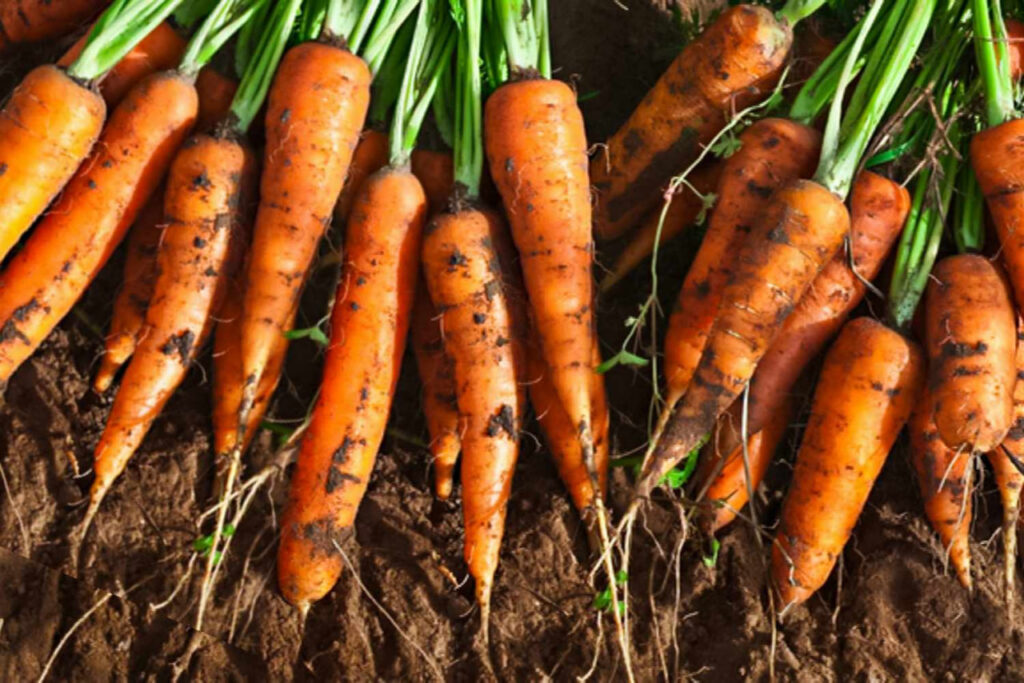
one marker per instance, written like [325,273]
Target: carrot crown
[223,22]
[116,32]
[430,49]
[260,70]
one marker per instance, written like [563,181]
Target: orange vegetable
[437,175]
[370,156]
[31,21]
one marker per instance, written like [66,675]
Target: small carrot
[370,156]
[972,341]
[216,93]
[685,208]
[725,479]
[440,404]
[31,21]
[436,173]
[684,111]
[870,382]
[944,476]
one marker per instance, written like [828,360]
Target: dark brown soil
[403,608]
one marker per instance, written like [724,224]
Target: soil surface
[403,608]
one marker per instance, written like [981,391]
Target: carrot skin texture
[944,476]
[745,47]
[727,491]
[30,21]
[436,171]
[972,343]
[774,152]
[315,112]
[47,127]
[878,211]
[537,150]
[369,327]
[440,404]
[370,156]
[73,241]
[871,380]
[801,228]
[216,93]
[203,189]
[465,276]
[682,213]
[160,50]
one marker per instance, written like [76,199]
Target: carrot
[878,209]
[687,107]
[773,153]
[944,476]
[436,173]
[66,250]
[1015,46]
[869,384]
[685,208]
[370,156]
[725,478]
[160,50]
[216,93]
[31,21]
[797,233]
[972,338]
[440,404]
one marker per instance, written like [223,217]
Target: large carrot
[799,231]
[160,50]
[774,152]
[683,211]
[878,210]
[369,326]
[743,50]
[944,476]
[972,342]
[869,384]
[30,21]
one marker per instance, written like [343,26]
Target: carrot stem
[348,20]
[260,71]
[795,11]
[993,61]
[467,147]
[227,17]
[388,79]
[524,25]
[388,20]
[116,32]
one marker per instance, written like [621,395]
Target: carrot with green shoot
[369,326]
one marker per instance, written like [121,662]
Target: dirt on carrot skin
[895,613]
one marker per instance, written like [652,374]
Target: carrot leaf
[227,17]
[467,139]
[260,71]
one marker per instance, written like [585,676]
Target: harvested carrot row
[31,21]
[944,476]
[870,382]
[972,342]
[685,207]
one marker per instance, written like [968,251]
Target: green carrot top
[116,32]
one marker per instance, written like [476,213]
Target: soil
[403,608]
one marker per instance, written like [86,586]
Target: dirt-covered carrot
[202,217]
[160,50]
[722,474]
[369,326]
[686,207]
[972,343]
[738,57]
[537,150]
[944,476]
[799,231]
[31,21]
[870,382]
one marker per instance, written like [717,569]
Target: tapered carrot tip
[443,474]
[483,598]
[119,349]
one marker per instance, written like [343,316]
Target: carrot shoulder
[74,239]
[869,384]
[369,326]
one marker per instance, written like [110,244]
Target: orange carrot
[683,211]
[216,92]
[773,153]
[944,476]
[203,190]
[73,241]
[160,50]
[47,128]
[369,326]
[440,404]
[972,342]
[878,209]
[436,173]
[465,276]
[869,384]
[726,478]
[1015,46]
[315,112]
[799,230]
[745,47]
[31,21]
[370,156]
[536,146]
